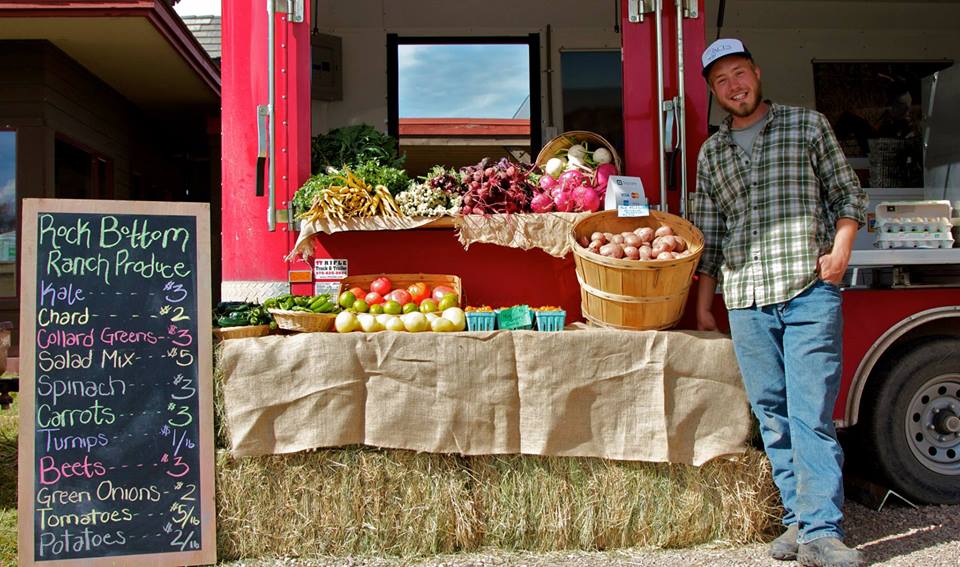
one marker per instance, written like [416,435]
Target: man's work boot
[784,548]
[828,552]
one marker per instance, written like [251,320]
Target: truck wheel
[914,421]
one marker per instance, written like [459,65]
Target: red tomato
[440,291]
[381,285]
[358,292]
[373,298]
[401,296]
[418,291]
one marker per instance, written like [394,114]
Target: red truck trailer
[901,380]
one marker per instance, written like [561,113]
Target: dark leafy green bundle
[239,313]
[353,145]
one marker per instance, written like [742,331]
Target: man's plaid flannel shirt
[767,217]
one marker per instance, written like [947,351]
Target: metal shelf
[904,257]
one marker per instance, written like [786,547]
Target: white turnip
[554,167]
[602,156]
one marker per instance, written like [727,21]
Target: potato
[645,233]
[596,236]
[583,241]
[681,244]
[617,239]
[631,239]
[612,250]
[664,231]
[608,236]
[645,252]
[595,246]
[665,256]
[631,252]
[668,243]
[656,251]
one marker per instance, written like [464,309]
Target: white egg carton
[925,243]
[914,224]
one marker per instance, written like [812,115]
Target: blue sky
[462,81]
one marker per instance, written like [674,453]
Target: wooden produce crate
[402,281]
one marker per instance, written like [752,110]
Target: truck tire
[913,421]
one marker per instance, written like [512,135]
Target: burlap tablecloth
[545,231]
[647,396]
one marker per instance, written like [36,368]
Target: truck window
[457,100]
[876,110]
[8,213]
[592,83]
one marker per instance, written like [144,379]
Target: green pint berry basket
[516,318]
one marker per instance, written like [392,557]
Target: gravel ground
[897,536]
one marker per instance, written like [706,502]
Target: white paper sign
[330,268]
[626,195]
[330,288]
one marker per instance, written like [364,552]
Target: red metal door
[640,99]
[251,252]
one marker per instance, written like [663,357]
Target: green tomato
[376,309]
[391,307]
[428,306]
[409,307]
[360,306]
[347,299]
[448,301]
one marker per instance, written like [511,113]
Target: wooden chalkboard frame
[32,208]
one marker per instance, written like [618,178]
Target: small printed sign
[626,195]
[329,288]
[633,211]
[330,268]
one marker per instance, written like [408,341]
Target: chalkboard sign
[116,445]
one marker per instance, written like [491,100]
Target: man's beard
[739,109]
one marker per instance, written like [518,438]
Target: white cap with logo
[720,49]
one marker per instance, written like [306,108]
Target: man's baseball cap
[720,49]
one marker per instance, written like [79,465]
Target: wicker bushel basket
[567,139]
[633,294]
[302,321]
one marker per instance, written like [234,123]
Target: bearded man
[779,207]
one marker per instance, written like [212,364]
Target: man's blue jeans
[790,359]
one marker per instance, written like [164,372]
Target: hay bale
[363,501]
